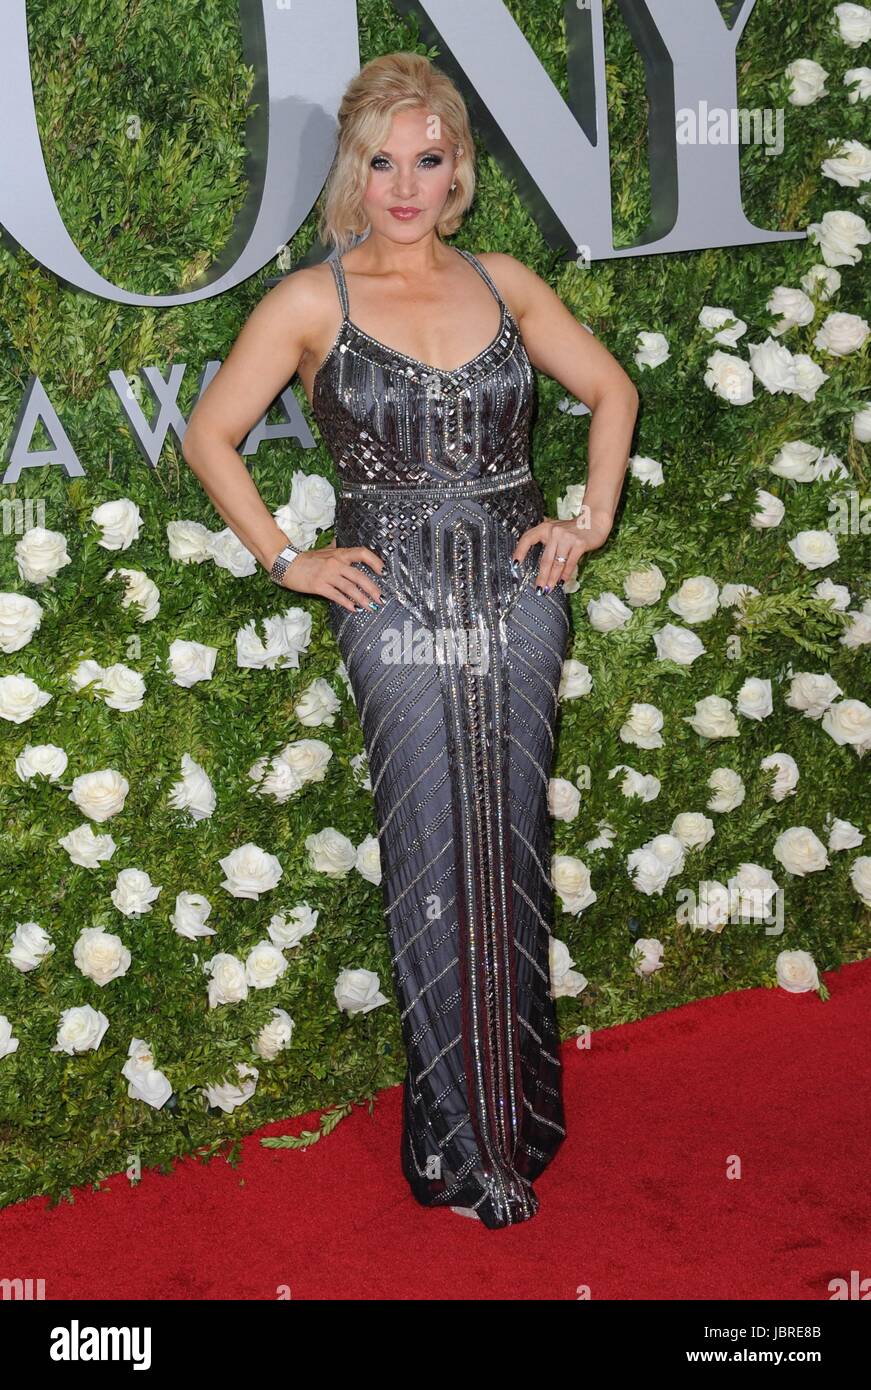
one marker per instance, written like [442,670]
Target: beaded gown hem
[456,683]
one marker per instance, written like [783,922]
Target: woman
[445,591]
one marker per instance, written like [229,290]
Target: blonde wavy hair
[394,82]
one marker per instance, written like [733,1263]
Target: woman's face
[414,170]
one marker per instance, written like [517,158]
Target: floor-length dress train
[455,681]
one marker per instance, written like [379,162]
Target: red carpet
[636,1205]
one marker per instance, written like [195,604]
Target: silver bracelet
[282,561]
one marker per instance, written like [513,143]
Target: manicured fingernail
[538,588]
[373,604]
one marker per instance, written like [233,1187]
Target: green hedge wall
[150,213]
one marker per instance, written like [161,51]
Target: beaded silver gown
[456,682]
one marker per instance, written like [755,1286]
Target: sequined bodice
[388,418]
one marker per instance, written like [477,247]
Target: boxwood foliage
[142,110]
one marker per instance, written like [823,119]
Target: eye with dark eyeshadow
[379,160]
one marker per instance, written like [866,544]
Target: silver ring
[560,558]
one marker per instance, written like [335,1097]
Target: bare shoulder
[517,284]
[301,306]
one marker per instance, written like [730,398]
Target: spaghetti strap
[338,270]
[483,272]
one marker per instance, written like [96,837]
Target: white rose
[859,79]
[190,916]
[230,554]
[840,234]
[20,698]
[646,955]
[101,794]
[648,872]
[85,674]
[86,848]
[754,698]
[728,789]
[854,24]
[317,704]
[858,633]
[797,460]
[189,541]
[796,310]
[368,859]
[713,718]
[308,758]
[41,759]
[808,79]
[812,693]
[696,599]
[809,376]
[41,554]
[290,933]
[711,910]
[31,945]
[250,871]
[605,838]
[843,835]
[120,521]
[194,793]
[564,982]
[191,662]
[274,1036]
[837,594]
[80,1029]
[563,799]
[842,334]
[849,722]
[796,972]
[822,281]
[608,612]
[652,349]
[730,378]
[360,765]
[134,892]
[770,510]
[8,1044]
[814,549]
[571,880]
[644,587]
[692,829]
[646,470]
[736,595]
[141,591]
[228,983]
[145,1081]
[860,877]
[575,679]
[312,505]
[275,778]
[122,687]
[716,318]
[287,635]
[773,365]
[264,965]
[786,778]
[678,644]
[569,505]
[101,955]
[357,992]
[20,616]
[861,427]
[849,163]
[331,853]
[226,1096]
[642,726]
[830,466]
[645,787]
[752,889]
